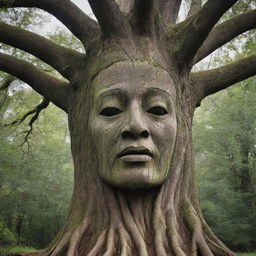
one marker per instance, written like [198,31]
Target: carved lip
[135,151]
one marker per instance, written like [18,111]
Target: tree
[134,44]
[38,194]
[225,173]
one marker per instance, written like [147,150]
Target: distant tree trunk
[19,224]
[105,219]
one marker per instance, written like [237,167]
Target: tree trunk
[159,214]
[105,220]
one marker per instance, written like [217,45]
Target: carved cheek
[163,134]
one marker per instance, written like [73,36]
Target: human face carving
[133,124]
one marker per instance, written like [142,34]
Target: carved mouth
[135,154]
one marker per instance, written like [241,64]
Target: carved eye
[110,111]
[158,111]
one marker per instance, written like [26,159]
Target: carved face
[133,124]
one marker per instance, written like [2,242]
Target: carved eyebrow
[157,91]
[118,94]
[112,92]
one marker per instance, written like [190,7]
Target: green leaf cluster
[225,149]
[35,178]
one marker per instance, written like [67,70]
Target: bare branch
[194,7]
[44,104]
[50,87]
[225,32]
[208,82]
[110,18]
[169,10]
[36,111]
[60,58]
[81,25]
[195,30]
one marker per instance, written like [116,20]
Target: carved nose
[134,135]
[136,128]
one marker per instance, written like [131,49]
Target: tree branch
[36,111]
[50,87]
[225,32]
[208,82]
[110,18]
[44,104]
[81,25]
[195,30]
[125,6]
[194,7]
[143,16]
[55,55]
[169,10]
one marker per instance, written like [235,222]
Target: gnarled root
[203,241]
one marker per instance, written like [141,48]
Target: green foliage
[36,178]
[225,139]
[6,236]
[246,254]
[5,251]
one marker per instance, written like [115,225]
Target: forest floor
[19,249]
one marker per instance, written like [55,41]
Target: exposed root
[61,246]
[159,226]
[76,237]
[132,227]
[219,250]
[172,234]
[215,244]
[194,224]
[124,240]
[208,246]
[99,243]
[110,243]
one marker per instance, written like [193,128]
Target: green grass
[15,249]
[246,254]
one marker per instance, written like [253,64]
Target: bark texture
[104,220]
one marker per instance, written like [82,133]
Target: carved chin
[133,179]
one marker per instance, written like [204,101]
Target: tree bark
[50,87]
[81,25]
[225,32]
[58,57]
[105,219]
[169,10]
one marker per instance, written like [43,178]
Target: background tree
[226,164]
[38,194]
[173,224]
